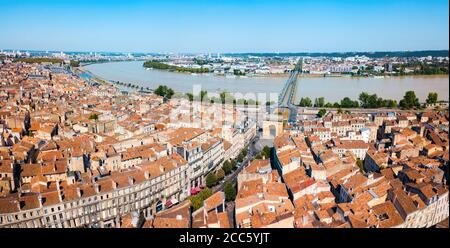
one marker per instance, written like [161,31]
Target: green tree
[93,117]
[360,164]
[244,152]
[203,95]
[196,202]
[369,101]
[432,98]
[190,96]
[305,102]
[230,191]
[410,100]
[321,113]
[223,96]
[240,158]
[74,63]
[233,164]
[164,91]
[319,102]
[328,105]
[349,103]
[211,180]
[364,99]
[266,152]
[391,103]
[227,167]
[205,193]
[39,60]
[220,174]
[162,66]
[29,133]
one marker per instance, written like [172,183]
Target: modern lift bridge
[287,97]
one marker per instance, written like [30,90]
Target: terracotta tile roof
[256,164]
[385,215]
[29,201]
[9,204]
[214,201]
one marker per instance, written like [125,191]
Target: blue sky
[225,26]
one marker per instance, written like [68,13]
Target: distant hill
[401,54]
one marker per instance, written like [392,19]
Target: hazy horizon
[213,53]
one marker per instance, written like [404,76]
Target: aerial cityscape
[223,134]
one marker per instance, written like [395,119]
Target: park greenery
[224,97]
[230,191]
[368,101]
[229,166]
[197,200]
[211,180]
[220,174]
[409,101]
[164,91]
[264,154]
[72,63]
[163,66]
[241,156]
[432,98]
[39,60]
[373,101]
[322,113]
[360,164]
[93,117]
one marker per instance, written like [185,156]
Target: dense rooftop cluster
[77,153]
[351,170]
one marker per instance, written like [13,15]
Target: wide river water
[332,88]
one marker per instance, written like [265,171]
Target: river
[332,88]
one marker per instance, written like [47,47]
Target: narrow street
[253,150]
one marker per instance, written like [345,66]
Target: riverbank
[274,75]
[441,105]
[332,88]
